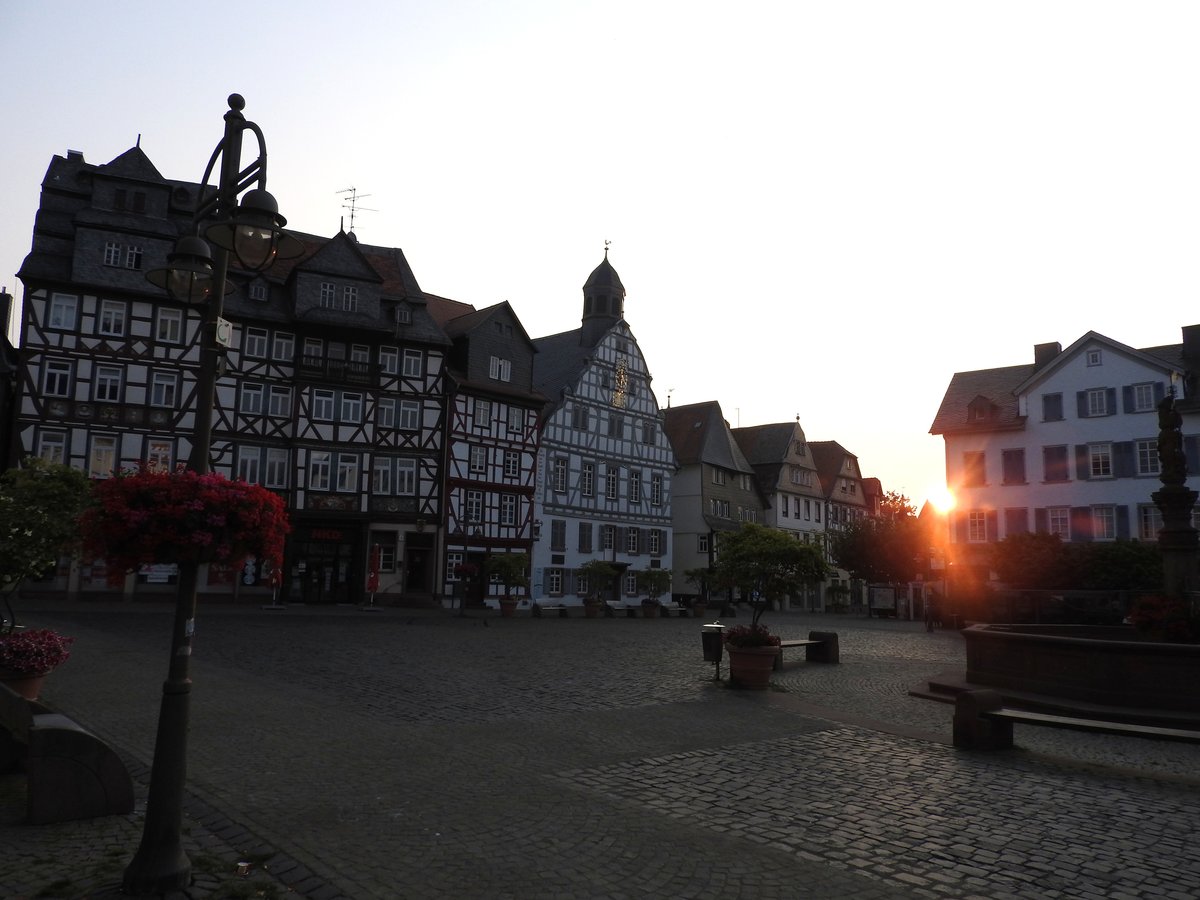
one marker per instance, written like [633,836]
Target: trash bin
[712,638]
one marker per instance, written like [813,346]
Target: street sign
[224,331]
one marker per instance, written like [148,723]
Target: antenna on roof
[353,206]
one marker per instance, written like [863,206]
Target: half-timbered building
[605,464]
[331,391]
[491,446]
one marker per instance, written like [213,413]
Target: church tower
[603,302]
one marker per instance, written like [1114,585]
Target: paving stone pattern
[393,754]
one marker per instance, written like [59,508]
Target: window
[160,454]
[385,414]
[414,363]
[1058,521]
[314,351]
[277,468]
[283,347]
[57,379]
[656,489]
[1104,523]
[1100,461]
[516,419]
[976,526]
[702,543]
[133,257]
[612,482]
[169,329]
[558,535]
[453,561]
[112,318]
[406,476]
[385,543]
[258,291]
[112,253]
[631,587]
[163,389]
[587,479]
[581,583]
[478,458]
[718,475]
[974,471]
[350,298]
[403,314]
[512,464]
[558,475]
[1142,397]
[102,461]
[554,581]
[389,360]
[1095,402]
[483,413]
[635,486]
[249,459]
[352,408]
[63,308]
[508,509]
[616,425]
[280,401]
[654,542]
[1052,407]
[608,537]
[107,384]
[52,447]
[1093,357]
[650,433]
[410,415]
[323,405]
[1146,455]
[783,507]
[328,294]
[1013,464]
[319,466]
[252,400]
[1149,522]
[347,476]
[394,476]
[585,538]
[500,369]
[632,540]
[255,343]
[579,416]
[1054,464]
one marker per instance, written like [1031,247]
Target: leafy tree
[895,505]
[757,558]
[655,582]
[600,576]
[510,568]
[39,507]
[889,549]
[1044,562]
[1034,560]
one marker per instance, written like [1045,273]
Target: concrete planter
[1108,665]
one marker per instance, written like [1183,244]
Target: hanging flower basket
[151,516]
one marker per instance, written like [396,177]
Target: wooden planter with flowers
[150,516]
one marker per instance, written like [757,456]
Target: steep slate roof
[560,360]
[1001,386]
[133,163]
[766,444]
[828,457]
[699,433]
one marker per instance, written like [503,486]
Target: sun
[941,498]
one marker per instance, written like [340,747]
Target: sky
[819,210]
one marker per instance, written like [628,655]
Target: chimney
[6,306]
[1191,342]
[1044,353]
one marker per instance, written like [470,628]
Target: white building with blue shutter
[1066,444]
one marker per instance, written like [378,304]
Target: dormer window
[980,409]
[258,292]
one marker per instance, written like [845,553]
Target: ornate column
[1178,539]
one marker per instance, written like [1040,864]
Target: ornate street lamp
[197,274]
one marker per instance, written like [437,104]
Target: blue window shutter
[1160,391]
[991,525]
[1081,523]
[1191,453]
[1110,401]
[1016,521]
[1123,459]
[1123,522]
[1127,398]
[1081,408]
[960,527]
[1082,463]
[1041,520]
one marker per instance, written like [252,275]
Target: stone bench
[983,722]
[70,773]
[819,646]
[537,609]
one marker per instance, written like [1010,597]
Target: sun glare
[941,498]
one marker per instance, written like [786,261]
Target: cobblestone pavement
[392,754]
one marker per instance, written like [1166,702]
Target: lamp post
[196,274]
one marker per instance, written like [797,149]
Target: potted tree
[600,577]
[700,577]
[655,583]
[768,565]
[511,570]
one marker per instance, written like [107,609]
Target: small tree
[768,563]
[39,507]
[600,577]
[512,570]
[655,582]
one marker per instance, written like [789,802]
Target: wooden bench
[819,646]
[674,609]
[611,609]
[537,609]
[70,773]
[983,722]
